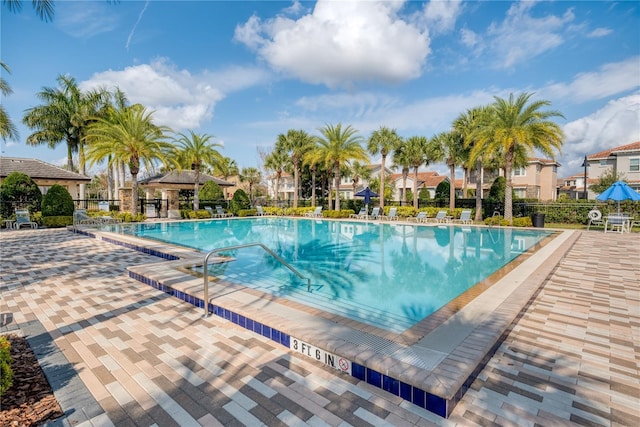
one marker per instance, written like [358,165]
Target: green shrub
[6,373]
[273,211]
[524,221]
[343,213]
[57,202]
[239,201]
[57,221]
[211,191]
[247,212]
[19,191]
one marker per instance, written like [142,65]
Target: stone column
[164,210]
[174,205]
[126,199]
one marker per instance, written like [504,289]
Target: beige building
[623,160]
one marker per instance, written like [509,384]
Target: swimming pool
[388,275]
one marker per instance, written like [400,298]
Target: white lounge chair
[393,215]
[421,217]
[260,211]
[360,215]
[465,217]
[24,219]
[317,213]
[210,210]
[375,213]
[441,217]
[220,213]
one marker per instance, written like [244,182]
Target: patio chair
[80,217]
[359,215]
[220,213]
[210,210]
[595,218]
[421,217]
[465,217]
[441,217]
[23,219]
[317,213]
[393,215]
[260,211]
[617,222]
[375,213]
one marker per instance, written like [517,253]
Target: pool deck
[571,356]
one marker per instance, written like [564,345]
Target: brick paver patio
[118,352]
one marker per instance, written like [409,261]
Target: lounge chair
[393,214]
[595,218]
[441,217]
[80,217]
[375,213]
[421,217]
[316,213]
[210,210]
[260,211]
[465,217]
[220,213]
[360,215]
[23,219]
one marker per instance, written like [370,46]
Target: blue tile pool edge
[436,404]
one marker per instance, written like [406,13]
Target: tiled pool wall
[415,395]
[436,404]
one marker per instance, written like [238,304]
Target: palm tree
[516,126]
[449,146]
[44,8]
[252,176]
[7,128]
[129,135]
[383,141]
[401,160]
[296,143]
[196,152]
[416,152]
[311,158]
[277,161]
[466,124]
[225,168]
[64,116]
[359,171]
[337,147]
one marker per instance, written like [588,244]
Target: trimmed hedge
[6,373]
[57,221]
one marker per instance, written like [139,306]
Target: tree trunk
[296,183]
[479,190]
[384,158]
[415,188]
[338,188]
[452,187]
[405,174]
[313,187]
[196,189]
[508,191]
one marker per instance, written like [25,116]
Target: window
[603,163]
[634,164]
[519,172]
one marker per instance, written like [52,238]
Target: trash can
[538,220]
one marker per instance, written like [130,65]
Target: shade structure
[367,193]
[618,192]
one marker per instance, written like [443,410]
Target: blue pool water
[384,274]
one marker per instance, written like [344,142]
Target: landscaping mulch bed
[30,400]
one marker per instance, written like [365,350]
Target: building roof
[37,169]
[543,161]
[425,179]
[182,178]
[634,146]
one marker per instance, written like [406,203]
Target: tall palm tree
[312,159]
[251,176]
[296,143]
[466,124]
[196,152]
[65,114]
[225,168]
[401,160]
[449,146]
[359,171]
[44,8]
[337,147]
[517,125]
[416,148]
[129,136]
[7,128]
[277,161]
[383,141]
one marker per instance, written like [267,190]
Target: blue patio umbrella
[367,193]
[618,192]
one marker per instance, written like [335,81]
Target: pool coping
[433,372]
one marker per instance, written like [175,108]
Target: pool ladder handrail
[495,213]
[247,245]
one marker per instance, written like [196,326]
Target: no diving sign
[333,361]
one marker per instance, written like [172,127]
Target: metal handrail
[247,245]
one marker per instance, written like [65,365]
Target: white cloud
[600,32]
[180,99]
[441,15]
[611,79]
[84,19]
[341,43]
[521,36]
[615,124]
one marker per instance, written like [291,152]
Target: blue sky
[248,71]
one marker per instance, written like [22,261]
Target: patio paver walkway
[146,358]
